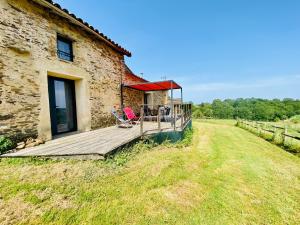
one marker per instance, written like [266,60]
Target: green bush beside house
[5,144]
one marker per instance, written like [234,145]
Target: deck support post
[175,119]
[181,112]
[181,108]
[172,104]
[185,113]
[158,119]
[142,121]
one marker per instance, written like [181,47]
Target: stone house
[58,74]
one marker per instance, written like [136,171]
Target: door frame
[52,104]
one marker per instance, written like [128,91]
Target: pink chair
[130,115]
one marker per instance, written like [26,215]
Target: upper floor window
[64,49]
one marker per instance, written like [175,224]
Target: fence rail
[263,127]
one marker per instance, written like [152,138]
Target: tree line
[249,108]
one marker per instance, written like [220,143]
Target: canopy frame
[159,86]
[169,85]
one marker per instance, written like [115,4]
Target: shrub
[277,119]
[129,152]
[295,119]
[197,114]
[267,136]
[278,138]
[187,138]
[5,144]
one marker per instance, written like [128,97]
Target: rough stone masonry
[28,34]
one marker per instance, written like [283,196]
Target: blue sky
[214,48]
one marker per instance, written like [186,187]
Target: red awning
[155,86]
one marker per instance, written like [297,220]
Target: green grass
[226,176]
[295,119]
[290,144]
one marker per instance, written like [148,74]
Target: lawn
[226,176]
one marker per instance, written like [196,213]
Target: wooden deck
[92,144]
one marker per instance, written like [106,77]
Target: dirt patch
[21,208]
[157,169]
[193,167]
[185,195]
[62,202]
[16,211]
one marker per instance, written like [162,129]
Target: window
[64,49]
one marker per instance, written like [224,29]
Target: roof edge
[141,78]
[78,21]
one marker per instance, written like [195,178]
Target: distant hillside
[250,109]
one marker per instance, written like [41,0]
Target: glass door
[62,105]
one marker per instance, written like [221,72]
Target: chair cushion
[129,113]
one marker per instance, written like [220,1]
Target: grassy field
[226,176]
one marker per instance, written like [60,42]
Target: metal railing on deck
[165,117]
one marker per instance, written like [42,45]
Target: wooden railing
[269,128]
[176,117]
[285,137]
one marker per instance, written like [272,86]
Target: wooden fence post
[284,134]
[258,127]
[274,134]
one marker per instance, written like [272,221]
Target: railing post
[181,112]
[185,113]
[189,112]
[175,119]
[142,121]
[158,120]
[172,104]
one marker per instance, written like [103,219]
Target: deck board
[96,142]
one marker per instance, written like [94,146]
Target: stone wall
[28,52]
[160,97]
[133,98]
[156,98]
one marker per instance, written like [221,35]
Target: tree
[249,108]
[222,110]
